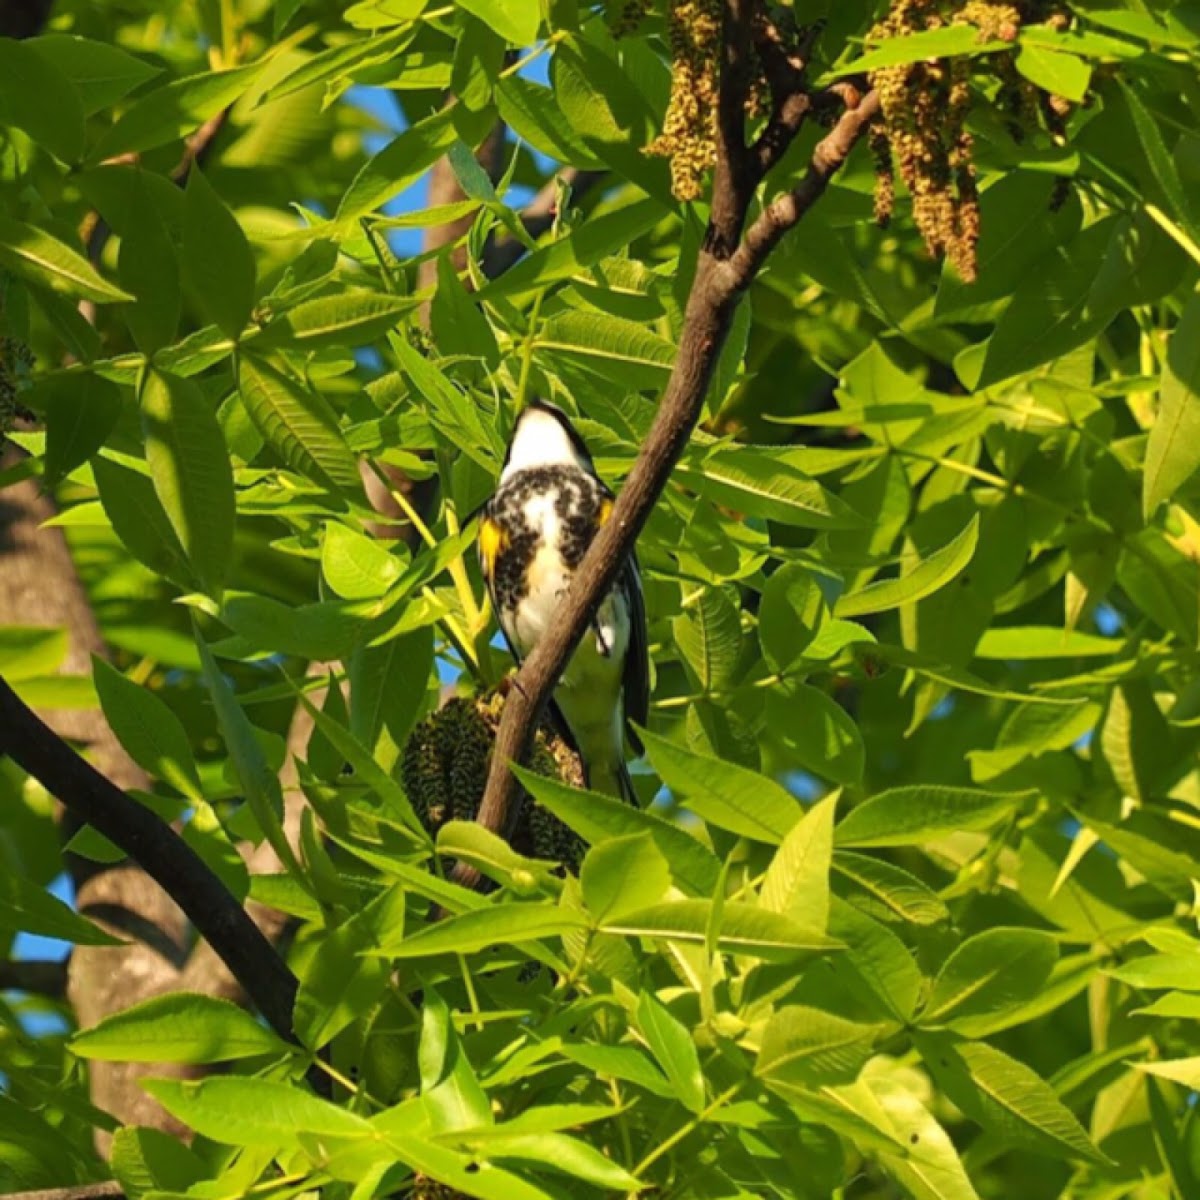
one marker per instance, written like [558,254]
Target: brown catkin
[922,133]
[688,137]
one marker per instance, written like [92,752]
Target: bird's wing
[637,657]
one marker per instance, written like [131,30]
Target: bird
[548,505]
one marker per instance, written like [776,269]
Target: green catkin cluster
[629,17]
[922,132]
[444,769]
[16,362]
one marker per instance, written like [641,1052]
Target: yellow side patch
[606,507]
[492,539]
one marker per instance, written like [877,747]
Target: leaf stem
[683,1131]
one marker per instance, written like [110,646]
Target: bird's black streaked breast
[576,497]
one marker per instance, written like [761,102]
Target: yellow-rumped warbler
[533,534]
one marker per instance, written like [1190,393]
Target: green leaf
[1161,971]
[148,1160]
[453,413]
[1185,1071]
[1005,1097]
[992,971]
[36,96]
[340,983]
[388,792]
[626,1063]
[622,875]
[80,411]
[797,880]
[596,818]
[1162,164]
[613,347]
[1018,642]
[907,816]
[724,794]
[1032,729]
[43,259]
[570,1156]
[751,480]
[237,1111]
[1173,448]
[191,471]
[298,424]
[918,578]
[325,630]
[150,732]
[947,42]
[929,1167]
[708,634]
[893,893]
[579,249]
[355,566]
[138,519]
[149,268]
[514,20]
[458,323]
[173,111]
[259,784]
[347,318]
[532,112]
[1050,314]
[810,1046]
[385,698]
[792,611]
[467,841]
[673,1049]
[815,732]
[101,73]
[396,166]
[742,929]
[218,265]
[27,908]
[507,924]
[1059,74]
[180,1027]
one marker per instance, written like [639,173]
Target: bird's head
[544,437]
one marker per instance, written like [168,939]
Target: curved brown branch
[159,850]
[722,275]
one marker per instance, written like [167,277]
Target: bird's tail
[612,779]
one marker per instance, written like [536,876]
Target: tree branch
[723,273]
[83,1191]
[40,977]
[735,178]
[787,208]
[159,850]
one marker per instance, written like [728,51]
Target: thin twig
[159,850]
[41,977]
[724,271]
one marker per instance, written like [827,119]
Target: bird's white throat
[540,441]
